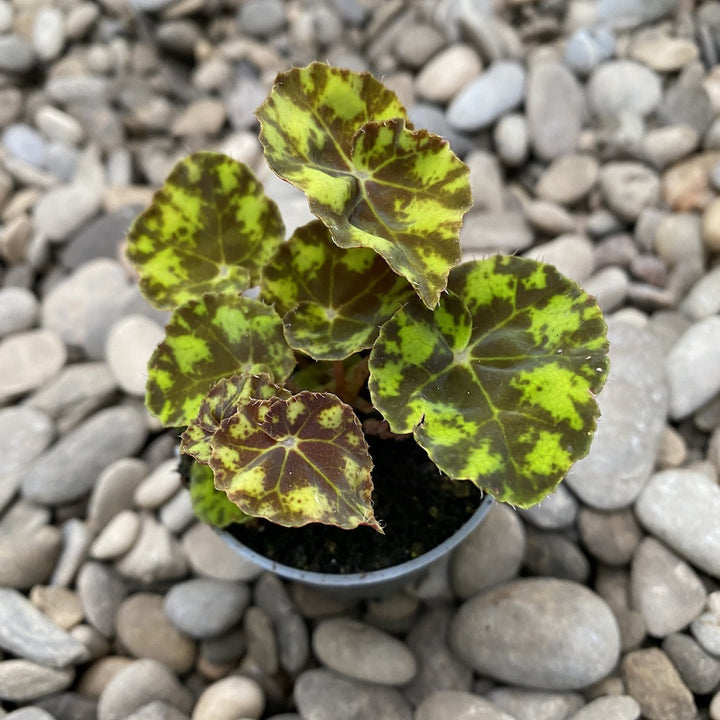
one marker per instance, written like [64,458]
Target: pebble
[492,554]
[139,683]
[686,101]
[230,698]
[58,603]
[554,554]
[665,589]
[84,306]
[572,254]
[534,705]
[25,143]
[28,360]
[16,55]
[28,633]
[202,117]
[68,470]
[706,630]
[623,86]
[155,556]
[117,537]
[75,543]
[682,508]
[556,510]
[686,185]
[114,491]
[23,680]
[210,556]
[699,670]
[58,125]
[666,145]
[26,560]
[627,14]
[30,713]
[693,367]
[262,18]
[568,179]
[417,44]
[438,668]
[497,90]
[628,187]
[145,631]
[450,70]
[586,48]
[101,592]
[633,405]
[663,53]
[653,681]
[512,141]
[177,514]
[620,707]
[443,704]
[362,652]
[160,485]
[711,226]
[611,537]
[703,299]
[505,231]
[48,33]
[540,632]
[554,107]
[549,218]
[26,432]
[319,692]
[204,607]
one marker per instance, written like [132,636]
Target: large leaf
[210,228]
[334,300]
[212,506]
[221,402]
[498,383]
[217,336]
[296,461]
[344,140]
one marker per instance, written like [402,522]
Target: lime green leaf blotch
[209,228]
[372,179]
[212,506]
[202,345]
[505,394]
[294,461]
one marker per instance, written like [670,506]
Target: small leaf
[498,383]
[210,228]
[344,140]
[210,505]
[221,402]
[334,300]
[296,461]
[206,340]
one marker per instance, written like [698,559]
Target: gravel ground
[592,128]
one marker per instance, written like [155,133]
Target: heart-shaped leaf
[210,228]
[221,402]
[333,300]
[296,461]
[217,336]
[210,505]
[499,383]
[344,140]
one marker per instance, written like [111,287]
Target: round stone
[492,554]
[568,179]
[48,33]
[444,704]
[19,309]
[159,486]
[262,18]
[26,432]
[204,607]
[145,631]
[544,633]
[699,670]
[612,537]
[628,187]
[618,707]
[363,652]
[447,73]
[22,680]
[230,698]
[117,537]
[623,86]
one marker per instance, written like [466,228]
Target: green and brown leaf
[209,504]
[345,141]
[296,461]
[210,228]
[499,383]
[220,403]
[217,336]
[333,300]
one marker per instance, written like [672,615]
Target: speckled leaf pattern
[296,461]
[212,506]
[334,300]
[345,141]
[217,336]
[221,402]
[499,386]
[210,228]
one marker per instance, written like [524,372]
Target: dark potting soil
[417,506]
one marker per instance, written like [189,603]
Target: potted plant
[301,371]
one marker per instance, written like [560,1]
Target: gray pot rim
[374,581]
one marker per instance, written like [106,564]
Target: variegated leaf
[209,504]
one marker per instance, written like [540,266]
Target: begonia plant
[366,313]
